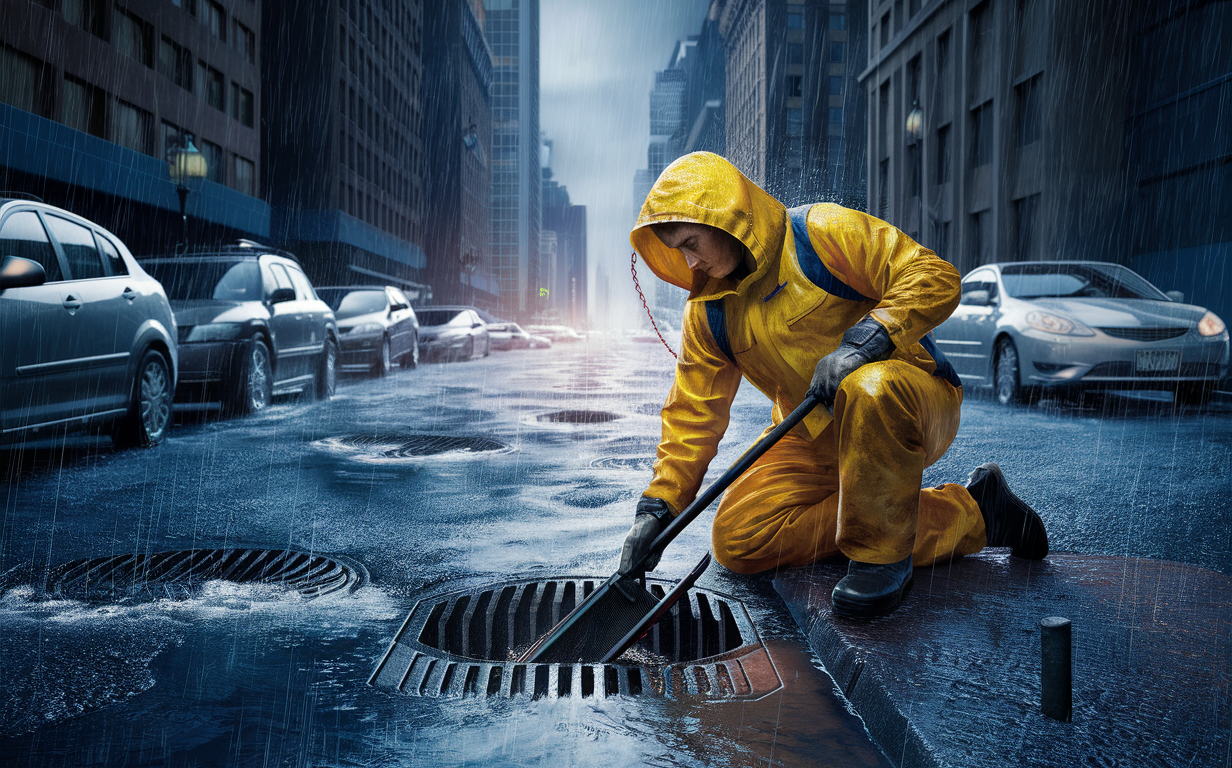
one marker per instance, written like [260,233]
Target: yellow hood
[704,188]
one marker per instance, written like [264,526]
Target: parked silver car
[88,336]
[376,326]
[452,333]
[1025,327]
[511,336]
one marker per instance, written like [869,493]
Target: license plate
[1155,360]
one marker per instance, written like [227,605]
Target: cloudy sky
[597,61]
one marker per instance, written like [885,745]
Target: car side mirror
[1176,296]
[282,294]
[476,325]
[21,273]
[977,298]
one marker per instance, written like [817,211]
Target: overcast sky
[597,60]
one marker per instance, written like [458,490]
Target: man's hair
[664,229]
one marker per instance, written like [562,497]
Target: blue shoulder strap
[716,318]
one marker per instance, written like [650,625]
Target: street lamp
[915,135]
[184,164]
[469,263]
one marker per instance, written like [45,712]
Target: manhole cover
[634,463]
[393,447]
[578,417]
[462,643]
[178,574]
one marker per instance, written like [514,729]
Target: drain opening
[406,446]
[179,574]
[578,417]
[700,648]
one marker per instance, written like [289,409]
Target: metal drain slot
[460,644]
[178,574]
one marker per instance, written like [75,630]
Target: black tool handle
[734,471]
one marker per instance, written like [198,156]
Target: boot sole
[870,609]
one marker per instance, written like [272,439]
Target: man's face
[706,249]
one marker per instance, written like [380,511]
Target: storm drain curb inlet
[461,644]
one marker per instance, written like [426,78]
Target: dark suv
[249,324]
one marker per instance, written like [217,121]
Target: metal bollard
[1056,685]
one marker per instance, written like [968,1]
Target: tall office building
[343,150]
[93,95]
[512,31]
[793,103]
[563,267]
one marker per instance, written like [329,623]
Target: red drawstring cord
[633,269]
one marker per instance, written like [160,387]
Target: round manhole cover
[379,448]
[577,417]
[464,643]
[632,463]
[180,573]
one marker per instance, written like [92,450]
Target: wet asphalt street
[251,675]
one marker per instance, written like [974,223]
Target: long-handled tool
[601,622]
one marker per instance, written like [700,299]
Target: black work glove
[865,342]
[652,517]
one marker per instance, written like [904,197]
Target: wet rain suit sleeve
[695,415]
[915,289]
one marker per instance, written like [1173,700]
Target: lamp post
[915,138]
[184,164]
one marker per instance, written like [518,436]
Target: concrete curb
[952,677]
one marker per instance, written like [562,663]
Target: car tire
[255,387]
[1197,394]
[384,361]
[468,352]
[149,409]
[487,348]
[1007,388]
[327,370]
[411,358]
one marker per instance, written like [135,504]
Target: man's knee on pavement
[731,548]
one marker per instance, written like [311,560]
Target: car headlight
[1043,321]
[363,328]
[1210,325]
[214,332]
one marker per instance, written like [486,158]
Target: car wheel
[487,348]
[1006,384]
[256,385]
[468,351]
[327,370]
[1196,394]
[411,359]
[383,362]
[149,411]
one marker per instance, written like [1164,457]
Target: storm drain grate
[376,447]
[636,463]
[463,643]
[578,417]
[178,574]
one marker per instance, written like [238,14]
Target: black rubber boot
[869,591]
[1008,520]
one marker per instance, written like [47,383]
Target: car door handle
[129,294]
[71,302]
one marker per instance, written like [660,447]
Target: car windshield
[1076,280]
[203,280]
[440,316]
[347,303]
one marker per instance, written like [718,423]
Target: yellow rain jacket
[779,323]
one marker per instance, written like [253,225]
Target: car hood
[372,317]
[214,311]
[1122,313]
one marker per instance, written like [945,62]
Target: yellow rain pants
[855,490]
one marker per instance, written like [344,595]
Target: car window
[84,263]
[360,303]
[281,278]
[1076,280]
[984,280]
[303,288]
[438,316]
[23,236]
[203,280]
[397,297]
[111,256]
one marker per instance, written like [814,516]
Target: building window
[241,104]
[170,138]
[941,239]
[943,65]
[175,63]
[943,154]
[836,53]
[246,42]
[981,134]
[795,122]
[211,86]
[836,115]
[838,21]
[913,80]
[84,107]
[1025,212]
[795,86]
[132,127]
[980,240]
[913,7]
[215,164]
[1028,93]
[25,82]
[133,37]
[795,21]
[90,15]
[885,29]
[883,188]
[795,53]
[216,20]
[836,85]
[245,176]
